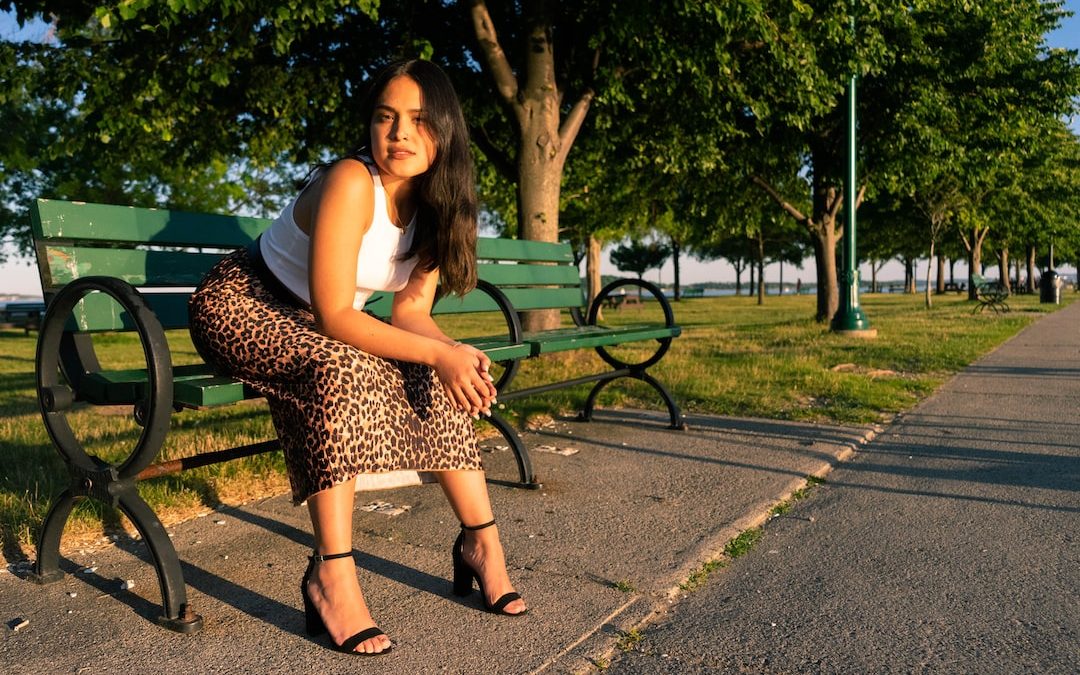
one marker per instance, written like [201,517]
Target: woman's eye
[383,117]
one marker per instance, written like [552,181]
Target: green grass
[629,639]
[739,546]
[800,494]
[623,586]
[734,358]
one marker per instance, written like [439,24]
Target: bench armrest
[73,353]
[513,328]
[669,322]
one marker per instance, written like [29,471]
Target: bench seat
[586,337]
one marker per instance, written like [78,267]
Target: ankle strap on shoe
[332,556]
[473,528]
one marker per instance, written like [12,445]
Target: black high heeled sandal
[464,575]
[315,625]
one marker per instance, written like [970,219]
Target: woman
[351,395]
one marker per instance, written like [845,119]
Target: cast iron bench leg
[677,419]
[521,453]
[177,614]
[47,566]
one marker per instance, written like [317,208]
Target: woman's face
[401,142]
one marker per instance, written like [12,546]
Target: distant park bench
[621,299]
[26,315]
[108,269]
[992,294]
[953,287]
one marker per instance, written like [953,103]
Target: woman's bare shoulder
[345,182]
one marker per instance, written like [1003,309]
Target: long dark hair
[445,234]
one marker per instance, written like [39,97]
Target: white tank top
[285,249]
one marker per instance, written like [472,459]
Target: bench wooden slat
[380,304]
[99,312]
[82,221]
[529,275]
[499,348]
[138,267]
[585,337]
[194,385]
[488,248]
[544,298]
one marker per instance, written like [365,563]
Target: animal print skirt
[338,411]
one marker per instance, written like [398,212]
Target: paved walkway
[620,523]
[950,544]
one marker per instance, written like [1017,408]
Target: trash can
[1050,287]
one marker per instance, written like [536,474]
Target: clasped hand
[463,371]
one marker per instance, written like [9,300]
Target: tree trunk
[780,288]
[974,250]
[738,277]
[540,175]
[1003,268]
[675,250]
[873,277]
[752,288]
[909,275]
[592,269]
[1031,268]
[828,293]
[545,136]
[761,268]
[940,272]
[930,266]
[821,224]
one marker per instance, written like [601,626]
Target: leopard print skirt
[338,411]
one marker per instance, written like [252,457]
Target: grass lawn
[734,358]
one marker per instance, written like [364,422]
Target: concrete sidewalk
[949,544]
[637,505]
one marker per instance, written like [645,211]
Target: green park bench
[108,269]
[992,294]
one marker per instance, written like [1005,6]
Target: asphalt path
[947,544]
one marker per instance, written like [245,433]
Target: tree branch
[791,210]
[505,81]
[502,161]
[572,124]
[833,207]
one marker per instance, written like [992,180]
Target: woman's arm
[340,215]
[411,311]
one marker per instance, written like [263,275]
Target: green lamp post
[849,318]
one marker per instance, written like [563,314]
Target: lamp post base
[852,323]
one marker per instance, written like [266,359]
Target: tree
[639,257]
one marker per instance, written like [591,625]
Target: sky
[19,276]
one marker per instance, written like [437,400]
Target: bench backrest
[165,254]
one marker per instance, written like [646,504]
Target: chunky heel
[314,624]
[464,575]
